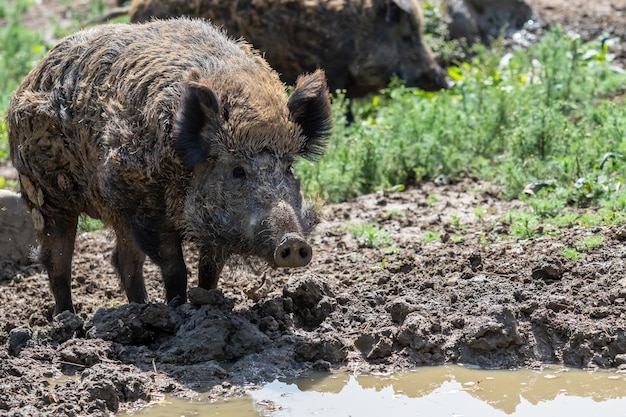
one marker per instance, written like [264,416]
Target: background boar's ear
[196,118]
[407,5]
[309,106]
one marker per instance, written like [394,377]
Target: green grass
[589,243]
[370,235]
[527,116]
[572,254]
[88,224]
[20,50]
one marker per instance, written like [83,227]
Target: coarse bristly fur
[165,130]
[360,44]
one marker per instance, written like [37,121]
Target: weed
[479,213]
[456,238]
[431,236]
[510,118]
[88,224]
[589,243]
[369,234]
[524,224]
[484,240]
[455,222]
[393,213]
[432,199]
[572,254]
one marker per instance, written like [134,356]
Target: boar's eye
[239,172]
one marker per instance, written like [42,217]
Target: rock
[312,299]
[18,338]
[414,332]
[66,326]
[548,268]
[17,234]
[112,384]
[400,307]
[84,352]
[496,330]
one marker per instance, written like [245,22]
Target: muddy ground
[472,295]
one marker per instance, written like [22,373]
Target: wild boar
[166,131]
[361,44]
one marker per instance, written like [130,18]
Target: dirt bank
[472,295]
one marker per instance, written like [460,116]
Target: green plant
[455,222]
[431,236]
[369,234]
[484,240]
[480,212]
[524,224]
[510,119]
[88,224]
[391,213]
[589,243]
[20,49]
[572,254]
[432,199]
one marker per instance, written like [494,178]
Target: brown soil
[473,296]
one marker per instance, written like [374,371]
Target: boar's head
[395,48]
[240,143]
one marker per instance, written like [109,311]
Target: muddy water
[436,391]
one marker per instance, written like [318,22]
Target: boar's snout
[433,80]
[292,252]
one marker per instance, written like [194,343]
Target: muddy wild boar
[360,44]
[167,131]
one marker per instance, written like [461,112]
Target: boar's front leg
[164,246]
[210,266]
[57,247]
[128,261]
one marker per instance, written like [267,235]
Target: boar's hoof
[292,252]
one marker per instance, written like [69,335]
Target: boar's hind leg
[209,267]
[57,246]
[128,261]
[164,247]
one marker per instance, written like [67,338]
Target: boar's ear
[309,106]
[196,120]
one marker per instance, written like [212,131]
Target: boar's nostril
[292,252]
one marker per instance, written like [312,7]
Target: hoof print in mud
[312,299]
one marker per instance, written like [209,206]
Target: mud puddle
[432,391]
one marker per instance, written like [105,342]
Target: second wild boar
[360,44]
[166,131]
